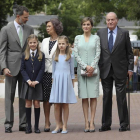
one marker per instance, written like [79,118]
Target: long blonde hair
[67,51]
[27,50]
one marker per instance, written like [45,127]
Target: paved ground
[76,124]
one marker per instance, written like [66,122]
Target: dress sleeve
[76,54]
[97,55]
[23,69]
[53,67]
[72,67]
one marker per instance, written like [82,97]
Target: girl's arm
[97,56]
[42,69]
[72,69]
[76,54]
[23,70]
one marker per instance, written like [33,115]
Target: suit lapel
[118,38]
[46,47]
[24,35]
[105,35]
[14,33]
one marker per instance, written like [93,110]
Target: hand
[7,72]
[130,73]
[30,83]
[89,69]
[34,83]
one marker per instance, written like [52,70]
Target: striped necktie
[33,56]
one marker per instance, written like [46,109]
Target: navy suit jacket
[32,70]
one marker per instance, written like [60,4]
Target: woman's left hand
[90,70]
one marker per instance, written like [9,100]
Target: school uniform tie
[110,42]
[20,34]
[33,56]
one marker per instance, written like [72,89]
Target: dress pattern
[62,88]
[47,78]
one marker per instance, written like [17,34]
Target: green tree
[7,5]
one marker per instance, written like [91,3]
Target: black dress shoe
[46,129]
[123,128]
[8,130]
[104,128]
[22,128]
[28,130]
[37,131]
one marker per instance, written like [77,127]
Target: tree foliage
[7,5]
[71,11]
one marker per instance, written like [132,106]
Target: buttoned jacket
[32,70]
[10,47]
[121,58]
[48,57]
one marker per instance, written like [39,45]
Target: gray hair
[112,13]
[20,10]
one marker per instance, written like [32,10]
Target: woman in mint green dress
[87,53]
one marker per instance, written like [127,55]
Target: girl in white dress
[62,92]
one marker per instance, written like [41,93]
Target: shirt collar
[33,51]
[114,31]
[17,25]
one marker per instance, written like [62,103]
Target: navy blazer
[32,70]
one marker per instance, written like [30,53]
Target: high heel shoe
[87,130]
[47,129]
[93,130]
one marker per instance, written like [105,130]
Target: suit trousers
[120,85]
[10,87]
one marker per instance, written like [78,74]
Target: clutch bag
[83,73]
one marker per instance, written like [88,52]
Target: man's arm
[3,47]
[130,55]
[3,52]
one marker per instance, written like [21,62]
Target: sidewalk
[76,124]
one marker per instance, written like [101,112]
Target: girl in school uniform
[62,92]
[32,70]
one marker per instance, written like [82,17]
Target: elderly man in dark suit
[116,61]
[12,45]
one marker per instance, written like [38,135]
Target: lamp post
[45,7]
[14,8]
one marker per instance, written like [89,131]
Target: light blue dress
[62,89]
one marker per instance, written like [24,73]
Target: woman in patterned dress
[54,28]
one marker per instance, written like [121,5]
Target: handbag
[83,72]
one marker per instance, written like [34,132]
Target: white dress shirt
[114,34]
[17,26]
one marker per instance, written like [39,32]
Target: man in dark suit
[12,45]
[116,61]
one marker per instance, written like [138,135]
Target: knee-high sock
[28,117]
[37,116]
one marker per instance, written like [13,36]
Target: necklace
[53,39]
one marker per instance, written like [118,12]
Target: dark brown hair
[87,19]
